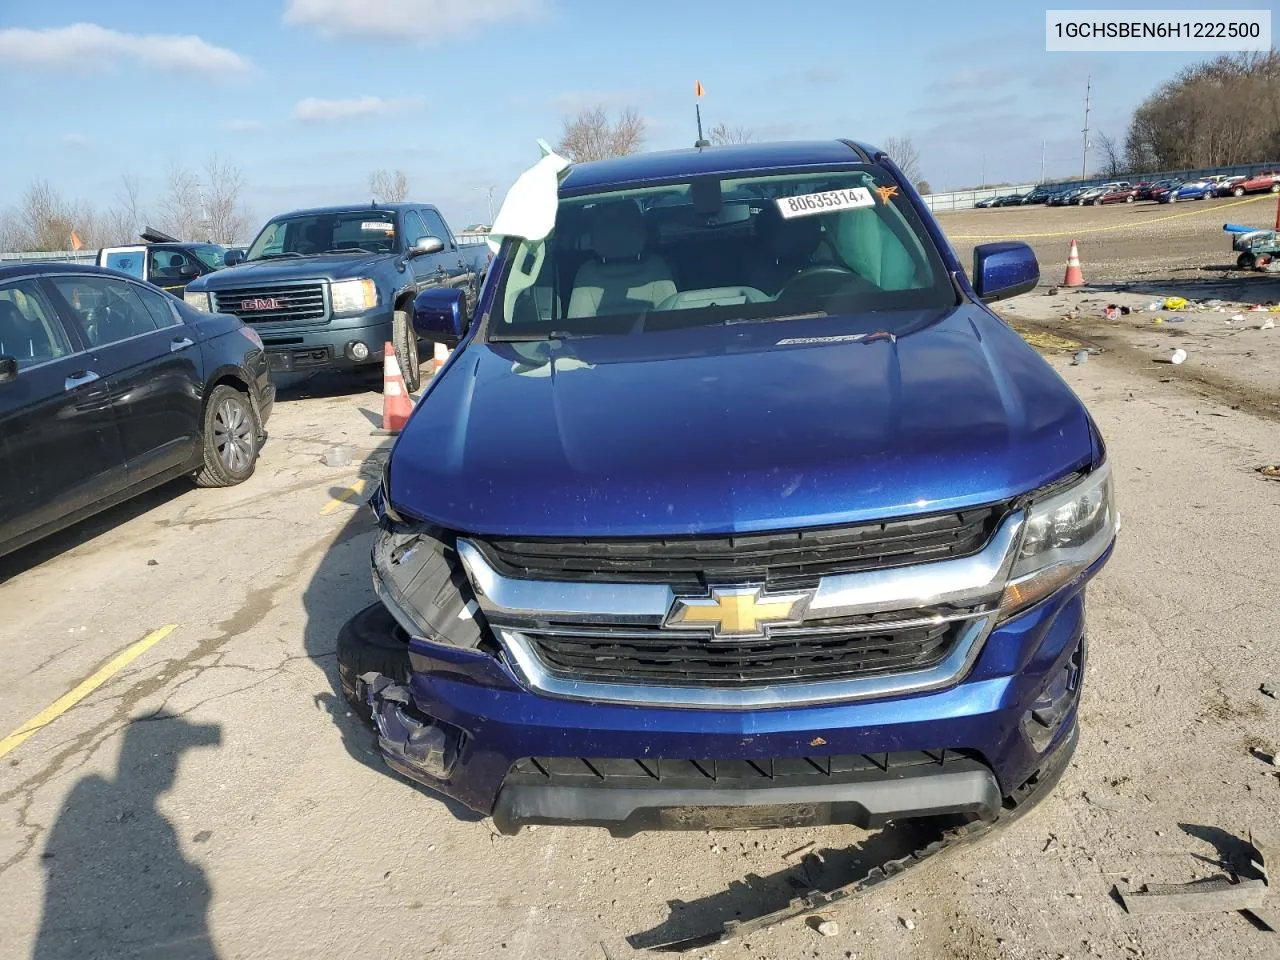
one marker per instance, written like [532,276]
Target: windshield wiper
[275,256]
[349,250]
[815,315]
[531,337]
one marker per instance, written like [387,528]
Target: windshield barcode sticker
[377,226]
[808,204]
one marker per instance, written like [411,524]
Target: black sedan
[109,387]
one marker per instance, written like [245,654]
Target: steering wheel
[817,280]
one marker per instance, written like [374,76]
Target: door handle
[180,344]
[79,379]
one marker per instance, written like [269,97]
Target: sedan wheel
[230,439]
[1275,188]
[1128,199]
[231,429]
[1238,192]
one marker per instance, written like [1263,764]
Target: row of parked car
[1160,191]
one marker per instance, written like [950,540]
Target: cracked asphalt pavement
[214,798]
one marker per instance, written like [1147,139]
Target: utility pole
[984,170]
[1042,146]
[490,195]
[1084,150]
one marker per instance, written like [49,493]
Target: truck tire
[371,641]
[229,440]
[1246,261]
[405,341]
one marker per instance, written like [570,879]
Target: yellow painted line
[83,689]
[354,490]
[1119,226]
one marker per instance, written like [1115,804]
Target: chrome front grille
[275,302]
[843,636]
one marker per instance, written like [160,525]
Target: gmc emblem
[261,303]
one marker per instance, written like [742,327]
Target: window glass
[211,255]
[414,228]
[435,226]
[171,267]
[711,251]
[158,305]
[30,330]
[126,261]
[307,235]
[109,310]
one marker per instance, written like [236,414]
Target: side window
[109,310]
[30,330]
[436,227]
[126,261]
[414,228]
[158,306]
[170,267]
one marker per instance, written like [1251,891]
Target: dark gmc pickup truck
[328,287]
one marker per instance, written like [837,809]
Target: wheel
[1173,198]
[1128,199]
[371,640]
[1275,188]
[1238,192]
[405,340]
[1246,261]
[229,439]
[1098,202]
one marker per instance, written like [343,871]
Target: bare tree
[592,136]
[923,188]
[120,223]
[228,222]
[721,134]
[1111,155]
[180,210]
[903,152]
[389,186]
[43,219]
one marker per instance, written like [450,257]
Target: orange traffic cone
[440,355]
[396,405]
[1074,277]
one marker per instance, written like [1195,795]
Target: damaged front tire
[371,641]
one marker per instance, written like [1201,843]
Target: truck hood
[727,429]
[333,267]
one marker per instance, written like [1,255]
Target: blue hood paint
[721,430]
[330,267]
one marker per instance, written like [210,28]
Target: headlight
[353,296]
[197,300]
[419,581]
[1063,534]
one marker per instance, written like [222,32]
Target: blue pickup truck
[735,506]
[326,288]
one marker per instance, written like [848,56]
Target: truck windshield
[309,235]
[710,251]
[210,255]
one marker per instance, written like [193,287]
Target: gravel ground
[215,798]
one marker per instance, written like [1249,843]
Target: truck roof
[351,208]
[713,161]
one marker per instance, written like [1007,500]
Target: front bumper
[466,727]
[305,349]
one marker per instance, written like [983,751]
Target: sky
[308,97]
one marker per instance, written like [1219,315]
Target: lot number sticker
[810,203]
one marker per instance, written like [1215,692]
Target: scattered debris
[1269,689]
[1154,305]
[338,456]
[1267,324]
[1236,318]
[1177,319]
[1201,896]
[908,923]
[1178,356]
[1111,311]
[1082,356]
[153,563]
[1175,303]
[799,852]
[1257,308]
[829,928]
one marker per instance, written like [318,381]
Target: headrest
[617,230]
[792,239]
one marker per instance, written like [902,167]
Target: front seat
[623,278]
[15,339]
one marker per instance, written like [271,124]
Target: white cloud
[420,20]
[88,47]
[74,140]
[236,125]
[327,111]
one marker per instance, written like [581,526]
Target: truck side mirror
[8,369]
[425,245]
[441,314]
[232,257]
[1004,269]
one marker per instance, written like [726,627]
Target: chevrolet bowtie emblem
[737,611]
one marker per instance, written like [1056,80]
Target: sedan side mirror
[426,245]
[441,314]
[232,257]
[8,369]
[1005,269]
